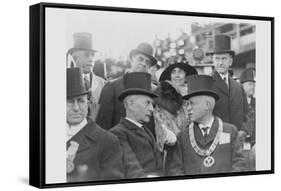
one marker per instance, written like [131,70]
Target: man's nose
[188,107]
[220,61]
[151,108]
[75,105]
[90,59]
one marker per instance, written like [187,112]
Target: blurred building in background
[192,48]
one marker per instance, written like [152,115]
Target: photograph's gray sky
[116,33]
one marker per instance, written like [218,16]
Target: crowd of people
[140,126]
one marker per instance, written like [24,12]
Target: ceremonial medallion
[69,166]
[205,152]
[209,161]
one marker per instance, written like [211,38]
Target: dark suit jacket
[250,124]
[228,155]
[232,105]
[141,155]
[111,109]
[99,152]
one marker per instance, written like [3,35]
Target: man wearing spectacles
[92,153]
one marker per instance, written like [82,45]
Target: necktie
[87,82]
[225,81]
[205,131]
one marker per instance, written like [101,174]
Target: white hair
[128,99]
[210,102]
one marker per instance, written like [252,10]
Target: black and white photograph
[148,95]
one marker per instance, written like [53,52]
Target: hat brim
[231,52]
[152,58]
[85,49]
[203,92]
[247,81]
[135,91]
[166,74]
[78,94]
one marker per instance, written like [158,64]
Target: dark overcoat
[183,160]
[111,109]
[232,105]
[141,156]
[99,155]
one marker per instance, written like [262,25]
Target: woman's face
[178,76]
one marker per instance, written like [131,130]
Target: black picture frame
[37,157]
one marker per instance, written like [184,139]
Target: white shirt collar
[86,75]
[209,124]
[135,122]
[249,100]
[72,130]
[224,76]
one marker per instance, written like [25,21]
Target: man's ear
[231,61]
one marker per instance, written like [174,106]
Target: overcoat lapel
[199,138]
[140,132]
[213,132]
[220,84]
[84,136]
[232,87]
[204,141]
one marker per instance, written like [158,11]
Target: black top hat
[137,83]
[247,76]
[82,41]
[145,49]
[166,74]
[75,83]
[222,44]
[200,85]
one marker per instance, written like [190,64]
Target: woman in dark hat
[177,73]
[169,114]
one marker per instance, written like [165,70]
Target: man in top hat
[83,55]
[208,144]
[141,156]
[111,109]
[92,152]
[232,105]
[247,79]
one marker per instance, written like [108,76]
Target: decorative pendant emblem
[209,161]
[70,156]
[69,166]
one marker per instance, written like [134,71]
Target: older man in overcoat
[92,152]
[208,144]
[232,106]
[141,156]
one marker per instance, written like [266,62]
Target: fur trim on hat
[168,97]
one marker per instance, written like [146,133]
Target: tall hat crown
[137,83]
[247,75]
[82,41]
[222,44]
[200,85]
[75,83]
